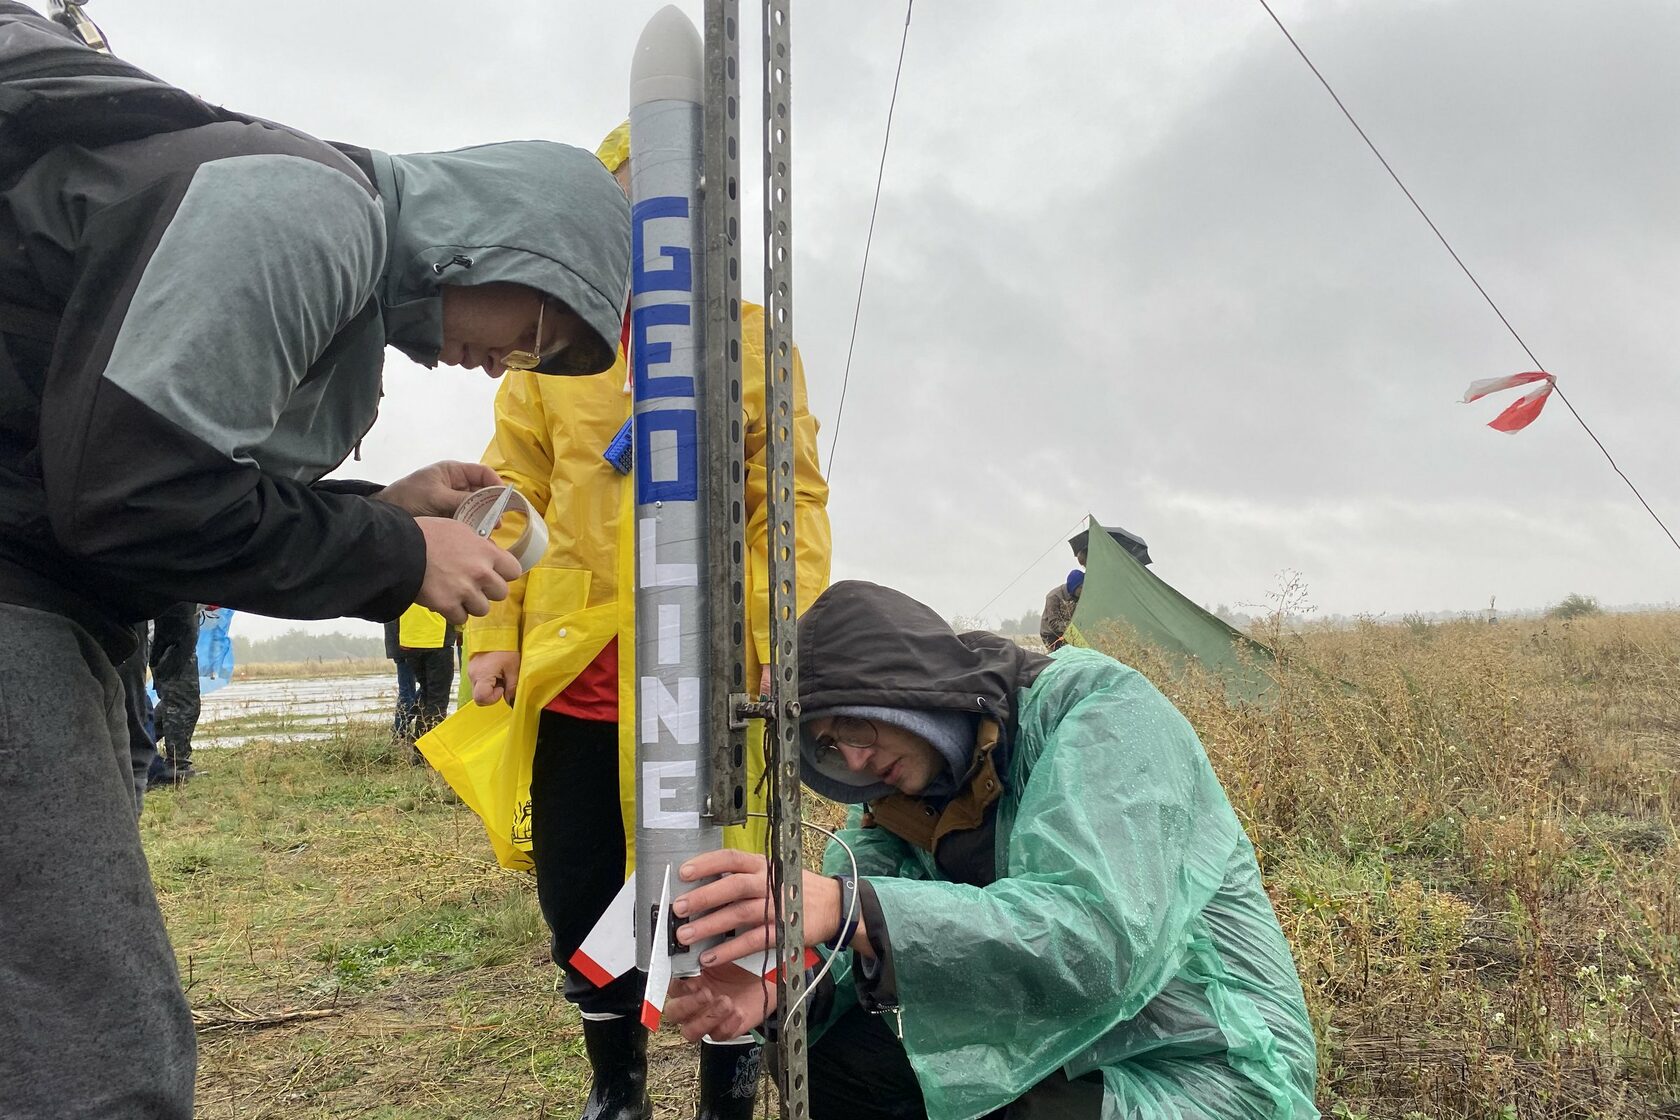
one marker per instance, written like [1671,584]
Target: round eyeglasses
[845,731]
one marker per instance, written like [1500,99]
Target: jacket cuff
[492,639]
[410,564]
[876,980]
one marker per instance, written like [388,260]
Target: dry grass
[1469,832]
[350,949]
[324,667]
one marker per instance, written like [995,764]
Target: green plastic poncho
[1127,930]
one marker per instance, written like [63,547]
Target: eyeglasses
[530,359]
[847,731]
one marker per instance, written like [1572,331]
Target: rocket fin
[610,949]
[659,964]
[764,964]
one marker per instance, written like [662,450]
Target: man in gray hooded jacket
[194,307]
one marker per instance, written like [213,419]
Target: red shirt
[593,693]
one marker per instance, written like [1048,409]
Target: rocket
[675,655]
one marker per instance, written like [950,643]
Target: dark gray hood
[863,646]
[529,212]
[861,643]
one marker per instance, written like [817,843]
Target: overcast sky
[1131,261]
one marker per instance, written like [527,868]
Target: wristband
[850,915]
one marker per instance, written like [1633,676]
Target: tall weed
[1469,833]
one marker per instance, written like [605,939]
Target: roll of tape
[483,510]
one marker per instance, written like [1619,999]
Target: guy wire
[1442,238]
[857,309]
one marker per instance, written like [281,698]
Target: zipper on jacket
[1005,749]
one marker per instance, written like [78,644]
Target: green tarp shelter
[1119,589]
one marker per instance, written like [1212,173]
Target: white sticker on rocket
[670,634]
[655,574]
[680,713]
[663,465]
[659,789]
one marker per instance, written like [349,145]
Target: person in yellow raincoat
[422,645]
[550,435]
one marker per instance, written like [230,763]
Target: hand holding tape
[484,509]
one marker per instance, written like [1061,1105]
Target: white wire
[851,913]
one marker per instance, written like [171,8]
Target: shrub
[1575,606]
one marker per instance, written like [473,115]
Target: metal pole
[721,391]
[786,868]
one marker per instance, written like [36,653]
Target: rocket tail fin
[659,967]
[610,949]
[766,965]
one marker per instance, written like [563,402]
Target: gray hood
[530,212]
[950,733]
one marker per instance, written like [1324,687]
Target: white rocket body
[673,651]
[667,313]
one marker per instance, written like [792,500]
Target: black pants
[433,673]
[174,661]
[858,1071]
[577,843]
[142,745]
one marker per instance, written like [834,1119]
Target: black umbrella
[1131,542]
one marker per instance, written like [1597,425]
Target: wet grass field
[348,944]
[1469,832]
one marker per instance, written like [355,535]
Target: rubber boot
[728,1080]
[617,1051]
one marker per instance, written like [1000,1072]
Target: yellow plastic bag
[470,750]
[485,753]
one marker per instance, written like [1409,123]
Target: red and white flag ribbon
[1525,409]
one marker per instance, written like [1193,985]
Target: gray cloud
[1134,262]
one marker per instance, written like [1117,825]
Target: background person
[1059,606]
[139,715]
[158,651]
[422,644]
[173,657]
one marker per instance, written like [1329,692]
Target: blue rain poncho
[215,649]
[1126,931]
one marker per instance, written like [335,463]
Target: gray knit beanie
[951,733]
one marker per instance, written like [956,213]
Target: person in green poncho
[1055,911]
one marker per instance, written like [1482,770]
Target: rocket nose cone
[667,63]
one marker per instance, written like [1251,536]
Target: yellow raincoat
[419,628]
[550,433]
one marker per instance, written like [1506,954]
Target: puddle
[299,709]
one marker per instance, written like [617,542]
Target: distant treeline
[298,645]
[1571,606]
[1026,624]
